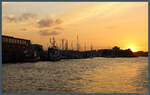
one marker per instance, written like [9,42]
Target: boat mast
[72,45]
[66,45]
[78,47]
[85,46]
[54,41]
[62,44]
[50,40]
[91,47]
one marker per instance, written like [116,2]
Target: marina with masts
[22,50]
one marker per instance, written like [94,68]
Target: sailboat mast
[78,48]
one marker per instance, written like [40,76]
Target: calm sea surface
[93,75]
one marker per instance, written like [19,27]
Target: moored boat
[54,54]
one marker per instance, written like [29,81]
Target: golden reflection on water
[116,78]
[96,75]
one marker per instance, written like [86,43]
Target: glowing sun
[132,48]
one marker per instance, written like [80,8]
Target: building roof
[14,38]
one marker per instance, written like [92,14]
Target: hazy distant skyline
[102,24]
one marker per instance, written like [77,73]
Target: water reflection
[95,75]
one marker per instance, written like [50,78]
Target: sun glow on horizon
[132,48]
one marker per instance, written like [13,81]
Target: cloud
[23,17]
[49,22]
[58,28]
[54,33]
[45,22]
[58,21]
[27,16]
[10,18]
[47,32]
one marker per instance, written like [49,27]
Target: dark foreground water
[94,75]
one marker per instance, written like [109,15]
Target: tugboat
[54,53]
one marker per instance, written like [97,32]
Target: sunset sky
[102,24]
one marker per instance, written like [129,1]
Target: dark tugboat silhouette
[54,53]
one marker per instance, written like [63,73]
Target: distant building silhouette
[116,48]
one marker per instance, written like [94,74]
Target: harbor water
[92,75]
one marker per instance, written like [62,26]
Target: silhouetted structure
[21,50]
[141,53]
[116,52]
[54,53]
[15,49]
[37,50]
